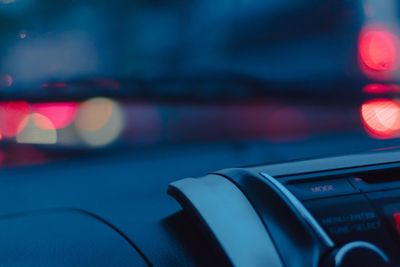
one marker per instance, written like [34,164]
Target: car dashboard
[98,213]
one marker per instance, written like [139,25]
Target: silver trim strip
[303,212]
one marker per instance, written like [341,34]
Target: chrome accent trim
[302,211]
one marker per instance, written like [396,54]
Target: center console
[342,211]
[359,205]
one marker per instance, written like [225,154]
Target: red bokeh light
[396,217]
[59,114]
[378,50]
[12,117]
[381,118]
[377,88]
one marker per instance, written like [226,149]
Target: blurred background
[249,81]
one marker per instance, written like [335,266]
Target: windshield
[268,77]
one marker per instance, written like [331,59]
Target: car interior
[200,133]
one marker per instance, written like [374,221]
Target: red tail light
[381,118]
[378,50]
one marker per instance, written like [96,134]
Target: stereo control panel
[360,206]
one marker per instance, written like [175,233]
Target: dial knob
[358,254]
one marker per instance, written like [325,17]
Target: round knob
[358,254]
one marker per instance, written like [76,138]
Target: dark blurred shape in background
[275,40]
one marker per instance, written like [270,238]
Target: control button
[320,189]
[347,218]
[353,218]
[396,217]
[357,254]
[387,205]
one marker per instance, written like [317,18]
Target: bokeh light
[22,35]
[377,88]
[99,121]
[61,115]
[13,117]
[6,81]
[381,118]
[378,50]
[32,134]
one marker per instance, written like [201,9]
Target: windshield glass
[269,77]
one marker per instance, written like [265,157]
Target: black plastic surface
[130,194]
[63,238]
